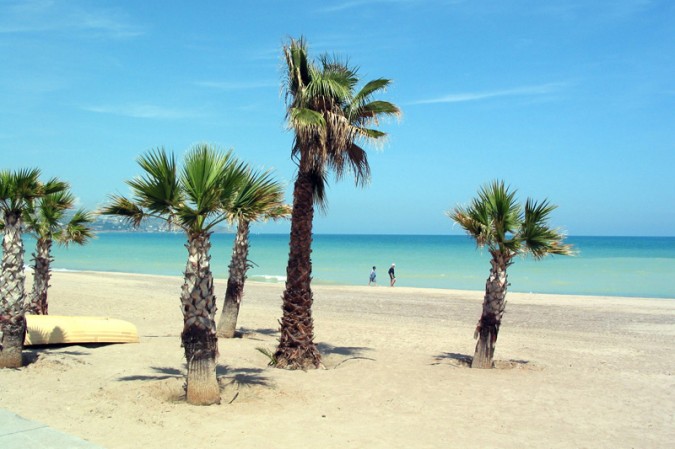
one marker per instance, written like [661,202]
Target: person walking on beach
[373,276]
[392,275]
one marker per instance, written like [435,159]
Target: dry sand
[573,372]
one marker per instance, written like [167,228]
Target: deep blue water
[616,266]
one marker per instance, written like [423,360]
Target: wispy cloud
[26,16]
[230,85]
[361,3]
[541,89]
[146,111]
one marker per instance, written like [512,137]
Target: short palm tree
[18,190]
[330,119]
[46,221]
[496,220]
[191,200]
[259,198]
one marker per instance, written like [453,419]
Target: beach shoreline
[573,371]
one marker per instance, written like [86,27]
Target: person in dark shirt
[392,275]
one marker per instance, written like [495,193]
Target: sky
[569,100]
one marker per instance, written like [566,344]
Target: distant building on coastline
[112,223]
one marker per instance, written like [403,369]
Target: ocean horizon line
[350,234]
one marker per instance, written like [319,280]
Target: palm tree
[193,201]
[45,221]
[18,190]
[329,120]
[495,219]
[259,198]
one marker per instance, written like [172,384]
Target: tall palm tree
[46,221]
[496,220]
[193,201]
[18,190]
[259,198]
[330,119]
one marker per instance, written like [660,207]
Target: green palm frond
[329,115]
[371,88]
[538,238]
[121,206]
[338,69]
[54,185]
[495,219]
[373,111]
[334,82]
[77,230]
[5,185]
[201,176]
[157,190]
[371,134]
[44,216]
[259,198]
[305,118]
[19,188]
[299,68]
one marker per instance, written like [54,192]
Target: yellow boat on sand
[58,329]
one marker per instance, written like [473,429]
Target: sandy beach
[572,372]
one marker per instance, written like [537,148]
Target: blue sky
[571,100]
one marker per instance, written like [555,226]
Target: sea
[603,266]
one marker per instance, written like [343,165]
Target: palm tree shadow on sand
[254,334]
[36,352]
[335,356]
[456,360]
[168,383]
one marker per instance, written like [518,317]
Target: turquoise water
[616,266]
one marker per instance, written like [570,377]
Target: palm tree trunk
[41,275]
[296,348]
[199,328]
[12,294]
[235,282]
[494,302]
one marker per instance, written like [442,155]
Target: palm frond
[257,193]
[355,161]
[54,185]
[330,117]
[5,185]
[373,111]
[299,70]
[319,181]
[301,118]
[78,229]
[538,238]
[24,187]
[472,224]
[43,217]
[495,219]
[157,189]
[202,177]
[131,212]
[370,88]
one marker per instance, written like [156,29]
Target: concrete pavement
[20,433]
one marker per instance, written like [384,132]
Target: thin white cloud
[361,3]
[599,9]
[541,89]
[29,16]
[146,111]
[230,85]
